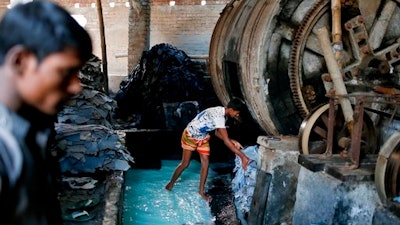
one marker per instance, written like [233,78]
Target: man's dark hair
[236,104]
[43,28]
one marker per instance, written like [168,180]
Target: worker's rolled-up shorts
[191,144]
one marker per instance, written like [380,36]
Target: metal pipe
[336,75]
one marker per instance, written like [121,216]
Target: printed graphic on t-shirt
[206,121]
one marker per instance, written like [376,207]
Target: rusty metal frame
[358,118]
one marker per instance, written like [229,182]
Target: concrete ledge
[281,149]
[113,198]
[310,190]
[321,198]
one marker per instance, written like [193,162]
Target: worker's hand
[237,144]
[245,162]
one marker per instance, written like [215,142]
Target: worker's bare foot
[205,197]
[169,186]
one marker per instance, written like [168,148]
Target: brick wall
[3,6]
[186,25]
[116,20]
[129,30]
[139,23]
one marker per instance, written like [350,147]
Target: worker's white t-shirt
[206,121]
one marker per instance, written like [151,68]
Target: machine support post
[357,130]
[331,121]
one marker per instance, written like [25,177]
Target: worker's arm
[233,145]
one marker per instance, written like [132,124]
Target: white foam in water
[147,202]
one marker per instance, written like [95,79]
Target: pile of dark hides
[165,77]
[90,148]
[86,137]
[91,75]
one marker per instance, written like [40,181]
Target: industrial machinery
[326,70]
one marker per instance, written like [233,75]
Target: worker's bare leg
[186,156]
[203,176]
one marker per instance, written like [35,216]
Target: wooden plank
[260,197]
[339,167]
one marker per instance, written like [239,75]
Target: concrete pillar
[278,157]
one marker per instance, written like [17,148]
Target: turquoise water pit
[147,202]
